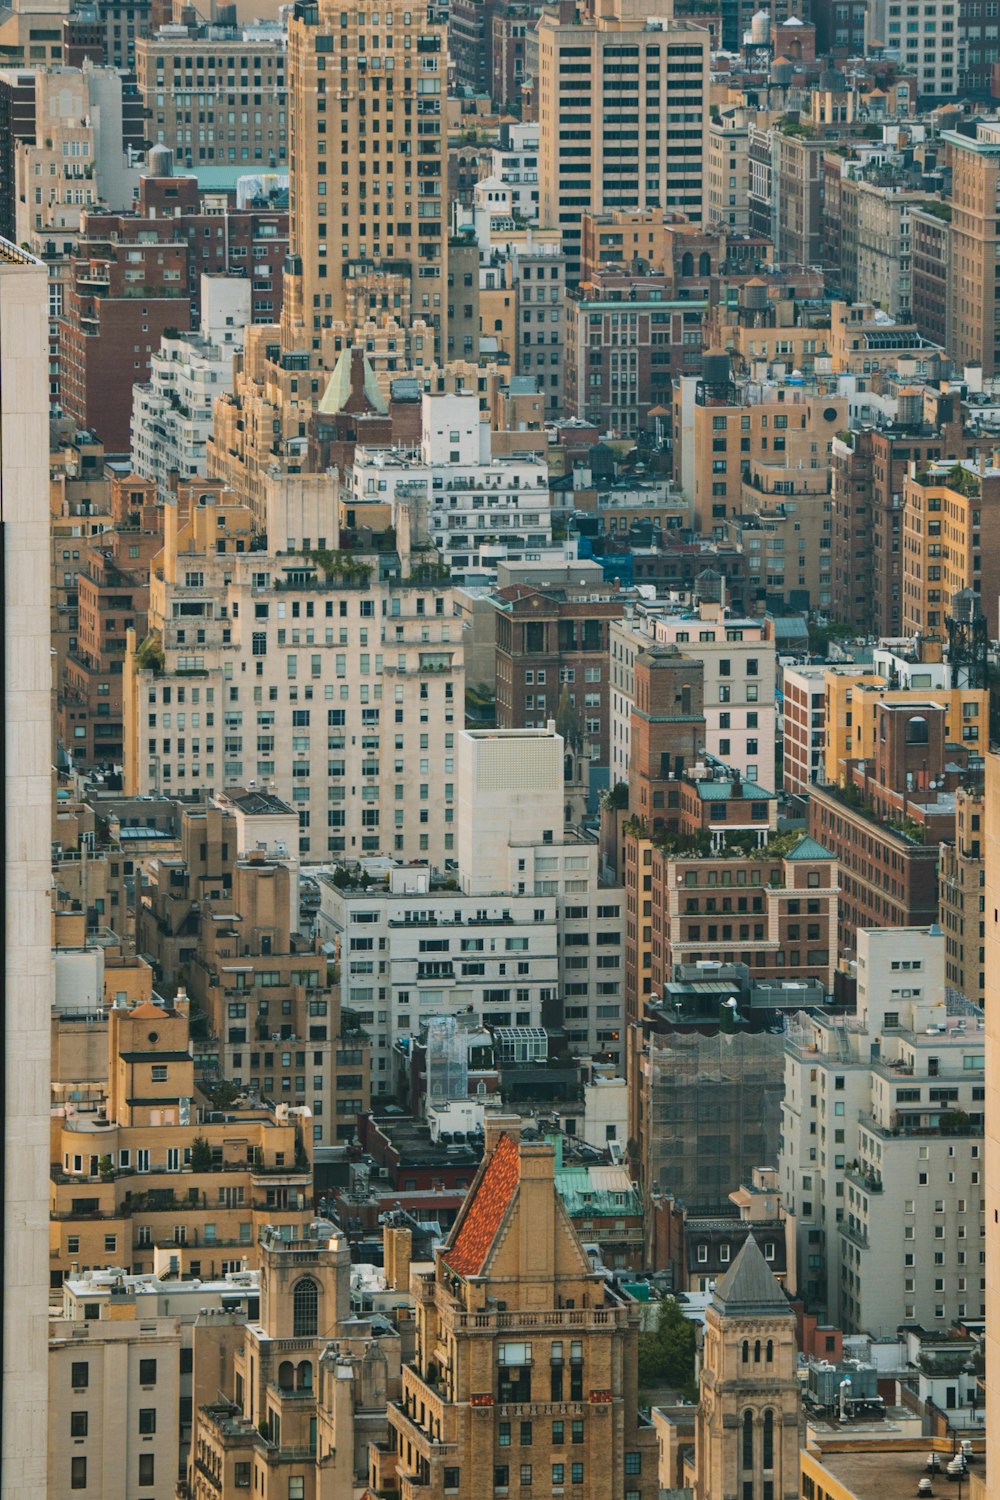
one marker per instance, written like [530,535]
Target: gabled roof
[808,848]
[750,1287]
[147,1011]
[484,1212]
[341,386]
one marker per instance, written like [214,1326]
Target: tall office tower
[992,1111]
[973,309]
[27,983]
[367,179]
[622,90]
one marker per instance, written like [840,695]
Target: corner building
[525,1374]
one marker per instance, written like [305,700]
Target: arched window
[748,1439]
[756,1352]
[769,1439]
[704,264]
[304,1306]
[746,1351]
[687,264]
[917,731]
[305,1374]
[286,1375]
[770,1351]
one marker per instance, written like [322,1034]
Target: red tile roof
[484,1214]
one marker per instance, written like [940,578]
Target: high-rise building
[991,1191]
[621,107]
[973,311]
[368,200]
[27,981]
[525,1368]
[314,673]
[882,1144]
[239,74]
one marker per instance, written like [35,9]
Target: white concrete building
[343,694]
[529,927]
[478,508]
[516,166]
[172,412]
[739,682]
[27,793]
[881,1159]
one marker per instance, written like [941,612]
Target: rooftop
[485,1210]
[884,1475]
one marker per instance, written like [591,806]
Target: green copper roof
[808,848]
[338,389]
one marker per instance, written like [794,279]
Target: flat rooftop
[886,1475]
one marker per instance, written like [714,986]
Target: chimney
[398,1250]
[494,1126]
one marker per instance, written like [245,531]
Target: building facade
[24,416]
[591,69]
[540,1392]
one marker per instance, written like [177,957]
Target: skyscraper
[26,992]
[622,91]
[367,183]
[992,1110]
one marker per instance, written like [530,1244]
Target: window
[80,1375]
[452,1478]
[501,1476]
[147,1419]
[296,1487]
[78,1473]
[304,1309]
[769,1439]
[147,1372]
[558,1474]
[525,1473]
[576,1473]
[147,1468]
[633,1463]
[504,1437]
[78,1424]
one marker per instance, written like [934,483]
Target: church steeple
[748,1428]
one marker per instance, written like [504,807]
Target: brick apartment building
[553,642]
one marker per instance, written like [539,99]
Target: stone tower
[748,1428]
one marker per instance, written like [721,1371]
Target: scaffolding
[713,1112]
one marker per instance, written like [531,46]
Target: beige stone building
[748,1429]
[337,691]
[271,1005]
[973,329]
[622,93]
[152,1178]
[218,95]
[991,1191]
[951,541]
[727,170]
[525,1367]
[289,1405]
[114,1391]
[27,981]
[764,452]
[121,1378]
[369,214]
[961,875]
